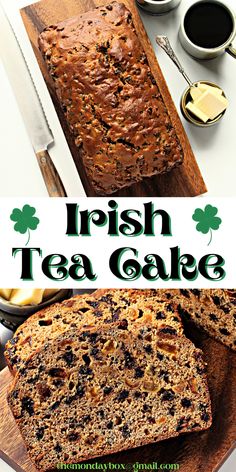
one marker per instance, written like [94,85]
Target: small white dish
[203,52]
[158,7]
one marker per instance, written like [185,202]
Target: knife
[29,104]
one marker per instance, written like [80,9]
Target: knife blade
[29,104]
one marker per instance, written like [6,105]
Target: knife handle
[50,175]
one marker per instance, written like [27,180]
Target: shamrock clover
[207,220]
[25,220]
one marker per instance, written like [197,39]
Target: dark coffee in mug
[208,24]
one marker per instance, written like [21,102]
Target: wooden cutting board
[194,452]
[185,181]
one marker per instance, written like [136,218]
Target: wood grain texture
[12,448]
[194,452]
[183,181]
[50,175]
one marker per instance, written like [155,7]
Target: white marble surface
[214,147]
[19,172]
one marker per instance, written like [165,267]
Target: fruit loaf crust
[97,391]
[110,99]
[100,307]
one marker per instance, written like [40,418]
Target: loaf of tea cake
[92,392]
[100,307]
[213,310]
[110,98]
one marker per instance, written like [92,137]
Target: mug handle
[231,50]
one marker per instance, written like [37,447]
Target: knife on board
[30,105]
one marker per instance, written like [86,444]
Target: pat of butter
[195,92]
[5,293]
[198,113]
[215,90]
[211,104]
[27,296]
[49,292]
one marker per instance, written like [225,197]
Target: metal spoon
[164,43]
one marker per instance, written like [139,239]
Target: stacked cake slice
[99,308]
[102,389]
[113,370]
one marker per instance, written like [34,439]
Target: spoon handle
[164,43]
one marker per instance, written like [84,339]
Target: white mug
[208,53]
[158,7]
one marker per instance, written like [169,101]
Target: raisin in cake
[102,307]
[111,101]
[97,391]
